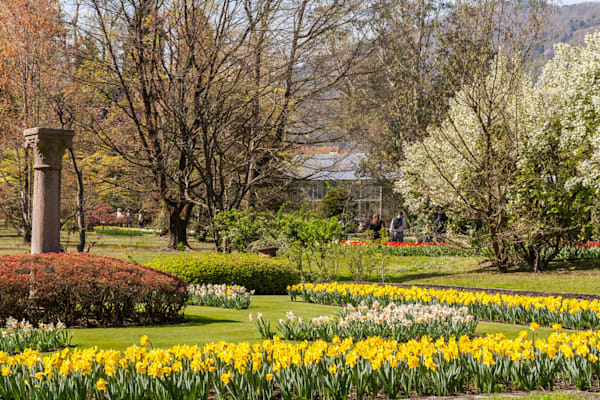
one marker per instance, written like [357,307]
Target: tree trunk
[220,241]
[179,217]
[536,261]
[27,235]
[80,214]
[26,198]
[499,255]
[543,256]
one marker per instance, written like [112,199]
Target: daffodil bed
[318,370]
[121,230]
[402,323]
[18,336]
[225,296]
[545,310]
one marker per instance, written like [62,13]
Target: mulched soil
[475,394]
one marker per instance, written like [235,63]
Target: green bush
[264,275]
[335,201]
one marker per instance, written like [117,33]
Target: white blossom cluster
[13,324]
[441,169]
[226,296]
[565,109]
[401,322]
[405,314]
[532,140]
[19,335]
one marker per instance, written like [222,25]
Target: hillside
[570,23]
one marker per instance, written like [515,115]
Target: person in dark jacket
[376,225]
[440,224]
[397,227]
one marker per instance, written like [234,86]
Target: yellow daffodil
[534,326]
[101,385]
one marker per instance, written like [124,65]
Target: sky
[565,2]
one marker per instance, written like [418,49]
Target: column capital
[48,145]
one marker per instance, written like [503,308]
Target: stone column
[48,147]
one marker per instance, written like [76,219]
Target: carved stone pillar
[48,147]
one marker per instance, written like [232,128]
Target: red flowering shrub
[87,290]
[100,215]
[394,244]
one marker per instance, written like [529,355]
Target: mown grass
[139,249]
[205,324]
[580,276]
[210,324]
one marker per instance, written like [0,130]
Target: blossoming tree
[522,157]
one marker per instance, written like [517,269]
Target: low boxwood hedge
[262,274]
[86,290]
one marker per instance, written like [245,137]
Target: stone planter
[268,251]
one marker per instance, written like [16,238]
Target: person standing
[140,219]
[376,225]
[128,217]
[397,227]
[119,218]
[440,224]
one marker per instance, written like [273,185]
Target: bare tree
[404,87]
[203,95]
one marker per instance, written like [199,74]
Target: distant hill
[569,24]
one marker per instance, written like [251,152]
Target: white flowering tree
[553,200]
[523,158]
[567,103]
[468,165]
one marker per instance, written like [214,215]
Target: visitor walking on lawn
[397,227]
[376,225]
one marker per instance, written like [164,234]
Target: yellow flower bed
[305,370]
[545,310]
[121,230]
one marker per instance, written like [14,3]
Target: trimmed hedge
[264,275]
[87,290]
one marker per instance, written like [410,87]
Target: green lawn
[205,324]
[576,277]
[582,276]
[133,248]
[208,324]
[579,276]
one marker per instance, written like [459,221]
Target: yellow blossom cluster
[254,371]
[545,310]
